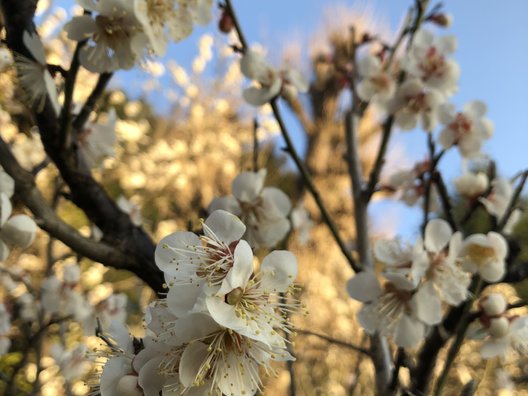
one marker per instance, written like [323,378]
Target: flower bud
[471,185]
[225,24]
[19,231]
[499,327]
[493,304]
[443,20]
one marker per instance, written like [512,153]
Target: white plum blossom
[466,129]
[272,82]
[263,210]
[302,223]
[16,231]
[471,185]
[33,75]
[376,84]
[97,140]
[493,304]
[427,59]
[443,280]
[118,376]
[410,186]
[505,334]
[72,362]
[400,262]
[115,37]
[414,103]
[485,255]
[162,20]
[389,310]
[62,297]
[252,307]
[216,260]
[497,202]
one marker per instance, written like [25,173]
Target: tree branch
[135,246]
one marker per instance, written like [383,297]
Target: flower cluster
[431,77]
[220,322]
[503,331]
[121,32]
[419,279]
[272,83]
[263,210]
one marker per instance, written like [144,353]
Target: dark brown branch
[89,106]
[445,200]
[132,248]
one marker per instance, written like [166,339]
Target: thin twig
[513,202]
[82,117]
[311,187]
[333,341]
[69,86]
[460,332]
[445,200]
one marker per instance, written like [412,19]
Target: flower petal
[278,270]
[247,186]
[437,235]
[364,287]
[224,226]
[408,332]
[242,269]
[191,361]
[427,304]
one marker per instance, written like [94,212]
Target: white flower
[263,210]
[467,129]
[61,298]
[34,77]
[376,84]
[485,255]
[72,362]
[411,187]
[96,141]
[272,82]
[471,185]
[118,376]
[164,19]
[414,102]
[301,223]
[443,279]
[218,260]
[399,262]
[427,60]
[16,231]
[252,307]
[390,310]
[493,304]
[497,203]
[505,334]
[116,38]
[224,362]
